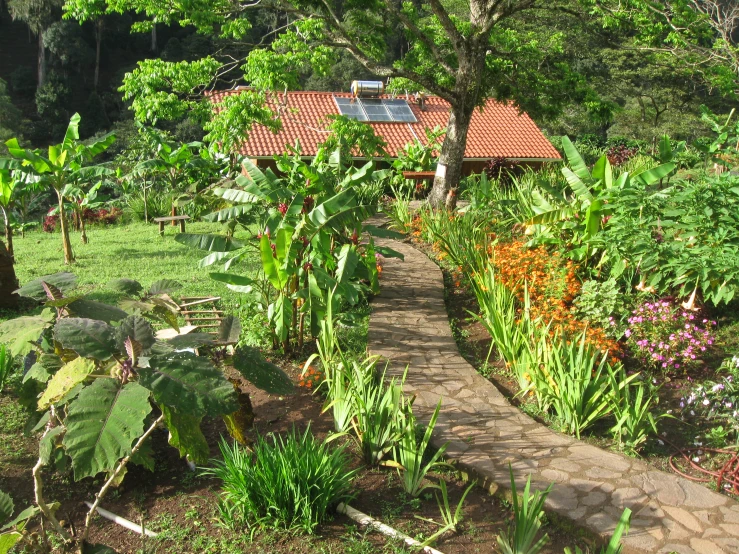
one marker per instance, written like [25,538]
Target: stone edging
[409,326]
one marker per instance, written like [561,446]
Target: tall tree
[464,52]
[38,15]
[93,11]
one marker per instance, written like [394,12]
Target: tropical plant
[411,452]
[520,538]
[105,383]
[64,164]
[291,482]
[583,214]
[308,243]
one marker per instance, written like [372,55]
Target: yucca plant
[632,408]
[450,520]
[499,316]
[410,452]
[614,546]
[291,482]
[577,382]
[520,538]
[378,422]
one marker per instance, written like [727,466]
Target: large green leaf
[6,507]
[348,260]
[164,286]
[389,252]
[229,330]
[48,443]
[185,435]
[238,283]
[64,281]
[20,332]
[188,383]
[69,376]
[382,233]
[9,540]
[88,337]
[191,340]
[126,286]
[91,309]
[138,329]
[653,175]
[209,242]
[102,424]
[261,373]
[269,265]
[229,214]
[578,165]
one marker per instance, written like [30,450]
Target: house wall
[469,167]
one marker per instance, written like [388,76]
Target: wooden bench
[173,218]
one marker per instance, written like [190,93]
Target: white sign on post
[441,171]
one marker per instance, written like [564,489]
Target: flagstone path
[409,325]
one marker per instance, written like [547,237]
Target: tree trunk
[466,93]
[66,244]
[449,170]
[84,232]
[8,233]
[8,280]
[153,37]
[41,60]
[98,40]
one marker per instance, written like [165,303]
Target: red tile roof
[498,130]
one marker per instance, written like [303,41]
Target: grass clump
[288,483]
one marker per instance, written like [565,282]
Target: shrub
[51,223]
[7,364]
[290,483]
[667,337]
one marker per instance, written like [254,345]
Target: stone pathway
[409,325]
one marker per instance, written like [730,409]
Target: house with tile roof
[497,130]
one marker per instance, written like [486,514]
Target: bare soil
[182,506]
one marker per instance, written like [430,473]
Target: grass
[134,251]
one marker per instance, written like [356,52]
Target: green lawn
[135,251]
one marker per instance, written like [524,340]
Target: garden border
[409,326]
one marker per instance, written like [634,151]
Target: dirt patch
[182,506]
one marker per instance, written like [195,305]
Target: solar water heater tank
[365,89]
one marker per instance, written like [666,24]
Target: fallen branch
[122,521]
[364,519]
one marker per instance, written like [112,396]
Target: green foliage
[577,382]
[102,424]
[292,482]
[311,221]
[353,138]
[263,374]
[7,366]
[450,520]
[614,545]
[601,303]
[527,513]
[411,453]
[379,405]
[633,410]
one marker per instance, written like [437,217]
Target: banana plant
[63,164]
[105,386]
[308,242]
[584,212]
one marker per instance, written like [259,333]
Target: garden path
[409,325]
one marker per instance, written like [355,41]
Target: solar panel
[351,109]
[375,109]
[400,110]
